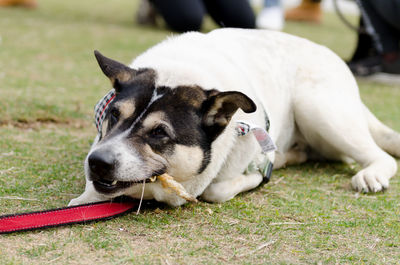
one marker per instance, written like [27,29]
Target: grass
[49,82]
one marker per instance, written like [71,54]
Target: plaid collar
[100,110]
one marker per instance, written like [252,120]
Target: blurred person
[146,14]
[187,15]
[271,15]
[308,10]
[23,3]
[378,47]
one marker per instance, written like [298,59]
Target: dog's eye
[114,116]
[158,132]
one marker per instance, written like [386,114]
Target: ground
[49,83]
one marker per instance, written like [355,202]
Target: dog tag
[265,168]
[262,136]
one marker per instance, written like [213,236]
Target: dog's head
[150,130]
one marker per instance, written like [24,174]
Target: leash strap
[64,216]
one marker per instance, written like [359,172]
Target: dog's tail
[385,137]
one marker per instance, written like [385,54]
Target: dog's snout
[102,165]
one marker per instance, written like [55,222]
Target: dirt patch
[45,122]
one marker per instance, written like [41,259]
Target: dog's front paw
[74,202]
[87,197]
[79,201]
[369,182]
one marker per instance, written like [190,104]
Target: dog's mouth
[105,186]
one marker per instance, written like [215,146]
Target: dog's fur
[177,104]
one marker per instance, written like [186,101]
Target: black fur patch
[182,108]
[140,91]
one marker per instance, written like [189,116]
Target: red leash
[65,216]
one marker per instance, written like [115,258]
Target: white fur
[310,95]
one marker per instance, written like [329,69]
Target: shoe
[308,10]
[367,66]
[270,18]
[23,3]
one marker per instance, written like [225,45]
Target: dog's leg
[294,156]
[378,166]
[230,180]
[386,138]
[88,196]
[375,176]
[338,129]
[229,188]
[389,140]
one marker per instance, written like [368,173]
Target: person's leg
[387,26]
[231,13]
[382,24]
[378,14]
[181,15]
[146,13]
[366,59]
[365,45]
[389,10]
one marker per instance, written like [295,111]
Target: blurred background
[47,68]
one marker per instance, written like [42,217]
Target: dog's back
[273,68]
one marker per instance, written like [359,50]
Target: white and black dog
[177,104]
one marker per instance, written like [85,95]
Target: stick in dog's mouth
[168,182]
[111,186]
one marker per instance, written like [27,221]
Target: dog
[176,109]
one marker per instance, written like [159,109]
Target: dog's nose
[102,164]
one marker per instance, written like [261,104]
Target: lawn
[49,83]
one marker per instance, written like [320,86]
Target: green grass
[49,82]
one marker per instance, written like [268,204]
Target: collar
[101,108]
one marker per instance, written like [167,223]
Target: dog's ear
[116,71]
[219,108]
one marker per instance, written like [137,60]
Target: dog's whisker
[141,198]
